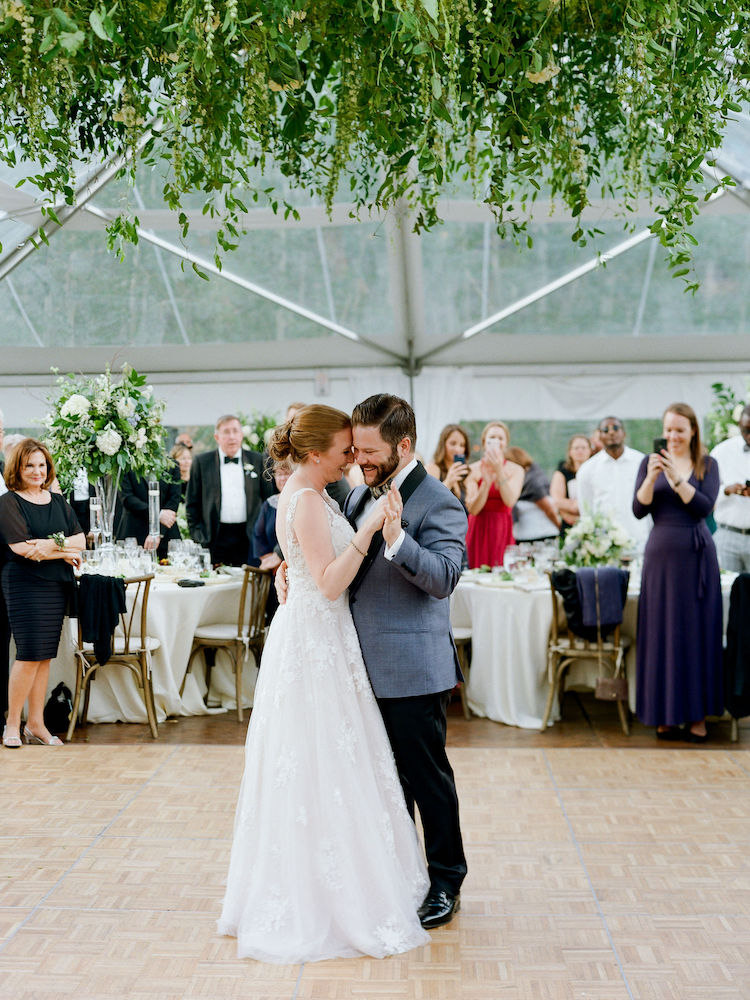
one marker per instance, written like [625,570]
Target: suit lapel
[409,485]
[358,506]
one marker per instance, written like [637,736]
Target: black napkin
[101,601]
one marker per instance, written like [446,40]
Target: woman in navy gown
[679,644]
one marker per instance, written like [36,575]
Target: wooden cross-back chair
[247,635]
[564,647]
[131,647]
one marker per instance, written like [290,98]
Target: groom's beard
[382,472]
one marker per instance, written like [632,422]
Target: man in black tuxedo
[224,494]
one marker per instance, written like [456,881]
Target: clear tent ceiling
[323,292]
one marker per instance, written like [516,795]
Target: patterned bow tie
[376,492]
[234,461]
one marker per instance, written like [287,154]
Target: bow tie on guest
[235,460]
[376,492]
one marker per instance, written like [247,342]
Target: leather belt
[731,527]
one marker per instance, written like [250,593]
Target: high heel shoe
[53,741]
[11,742]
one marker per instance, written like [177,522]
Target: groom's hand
[281,584]
[393,509]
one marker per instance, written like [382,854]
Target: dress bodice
[301,584]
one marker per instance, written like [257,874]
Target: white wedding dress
[325,861]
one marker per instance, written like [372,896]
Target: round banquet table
[510,623]
[174,613]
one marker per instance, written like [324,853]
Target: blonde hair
[311,429]
[495,423]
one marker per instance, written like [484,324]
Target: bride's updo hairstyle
[311,429]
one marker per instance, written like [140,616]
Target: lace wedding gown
[325,861]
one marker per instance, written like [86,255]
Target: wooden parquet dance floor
[596,872]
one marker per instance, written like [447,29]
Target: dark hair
[392,415]
[439,457]
[18,458]
[697,452]
[311,429]
[568,463]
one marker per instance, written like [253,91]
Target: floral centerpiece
[722,419]
[595,540]
[107,427]
[256,429]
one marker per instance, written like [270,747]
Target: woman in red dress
[498,484]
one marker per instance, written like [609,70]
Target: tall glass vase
[106,488]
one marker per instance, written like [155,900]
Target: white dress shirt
[607,484]
[390,550]
[3,487]
[233,499]
[733,459]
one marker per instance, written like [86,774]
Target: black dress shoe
[675,734]
[438,908]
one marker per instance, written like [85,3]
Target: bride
[325,861]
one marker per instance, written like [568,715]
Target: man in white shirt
[732,510]
[606,482]
[224,494]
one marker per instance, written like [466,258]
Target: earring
[317,460]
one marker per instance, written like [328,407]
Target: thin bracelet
[356,549]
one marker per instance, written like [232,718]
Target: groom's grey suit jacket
[401,608]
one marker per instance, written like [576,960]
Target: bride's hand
[375,518]
[280,582]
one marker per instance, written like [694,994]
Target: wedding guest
[224,494]
[292,409]
[264,550]
[535,517]
[134,522]
[493,488]
[563,487]
[732,510]
[4,623]
[185,439]
[42,542]
[184,458]
[450,462]
[607,480]
[679,638]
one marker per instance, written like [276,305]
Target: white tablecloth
[510,628]
[174,613]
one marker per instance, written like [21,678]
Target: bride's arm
[332,574]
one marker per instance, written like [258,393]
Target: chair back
[133,622]
[564,587]
[251,619]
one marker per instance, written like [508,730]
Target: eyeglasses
[605,428]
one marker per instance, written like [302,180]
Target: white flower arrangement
[106,427]
[721,420]
[256,430]
[595,540]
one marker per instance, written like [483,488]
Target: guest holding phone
[449,463]
[493,488]
[679,643]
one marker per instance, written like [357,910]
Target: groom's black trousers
[416,728]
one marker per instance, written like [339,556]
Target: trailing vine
[397,98]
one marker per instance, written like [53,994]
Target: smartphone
[459,458]
[659,444]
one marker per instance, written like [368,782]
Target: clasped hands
[387,514]
[42,548]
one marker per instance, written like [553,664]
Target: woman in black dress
[563,485]
[42,541]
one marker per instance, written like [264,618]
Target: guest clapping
[450,462]
[492,490]
[679,643]
[43,542]
[563,487]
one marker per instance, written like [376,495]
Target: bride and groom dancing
[325,861]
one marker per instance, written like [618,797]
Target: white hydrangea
[75,406]
[109,441]
[141,437]
[125,407]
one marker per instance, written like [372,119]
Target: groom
[400,605]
